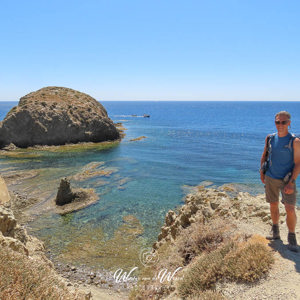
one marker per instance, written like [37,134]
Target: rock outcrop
[208,203]
[56,116]
[12,235]
[69,200]
[29,252]
[4,195]
[64,193]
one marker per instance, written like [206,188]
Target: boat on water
[146,116]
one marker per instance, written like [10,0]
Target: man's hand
[262,177]
[289,188]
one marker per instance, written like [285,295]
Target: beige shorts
[273,186]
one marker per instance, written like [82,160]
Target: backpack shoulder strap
[293,136]
[269,138]
[268,145]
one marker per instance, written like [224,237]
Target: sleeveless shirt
[281,158]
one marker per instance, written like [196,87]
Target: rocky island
[56,116]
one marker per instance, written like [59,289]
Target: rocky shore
[78,280]
[248,214]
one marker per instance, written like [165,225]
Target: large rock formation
[56,116]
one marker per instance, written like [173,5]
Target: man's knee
[274,205]
[289,208]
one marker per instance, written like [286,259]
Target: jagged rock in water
[56,116]
[64,194]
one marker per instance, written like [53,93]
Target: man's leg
[272,196]
[291,218]
[289,202]
[274,209]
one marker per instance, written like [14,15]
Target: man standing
[282,152]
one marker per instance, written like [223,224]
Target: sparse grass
[199,238]
[245,261]
[249,261]
[209,253]
[204,272]
[24,278]
[192,242]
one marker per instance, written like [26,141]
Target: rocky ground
[284,277]
[251,215]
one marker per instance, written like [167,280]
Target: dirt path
[283,281]
[104,294]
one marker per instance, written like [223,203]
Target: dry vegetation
[208,253]
[21,277]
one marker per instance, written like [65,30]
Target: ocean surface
[187,143]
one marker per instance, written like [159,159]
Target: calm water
[186,143]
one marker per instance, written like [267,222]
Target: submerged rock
[56,116]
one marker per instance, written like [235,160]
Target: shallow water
[138,182]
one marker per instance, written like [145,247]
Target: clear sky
[152,49]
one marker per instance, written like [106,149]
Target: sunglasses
[281,122]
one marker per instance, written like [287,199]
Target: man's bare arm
[296,170]
[289,188]
[262,160]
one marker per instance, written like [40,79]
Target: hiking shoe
[292,246]
[274,235]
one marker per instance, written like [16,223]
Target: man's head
[282,122]
[283,113]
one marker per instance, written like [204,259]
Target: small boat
[146,116]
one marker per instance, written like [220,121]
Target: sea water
[186,143]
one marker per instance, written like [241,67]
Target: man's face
[282,122]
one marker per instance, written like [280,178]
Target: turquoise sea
[186,143]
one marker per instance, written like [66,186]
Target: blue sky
[152,50]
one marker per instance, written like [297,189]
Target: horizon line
[172,100]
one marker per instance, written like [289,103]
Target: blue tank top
[282,158]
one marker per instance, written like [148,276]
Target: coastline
[248,213]
[101,281]
[77,279]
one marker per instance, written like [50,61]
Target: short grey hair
[283,113]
